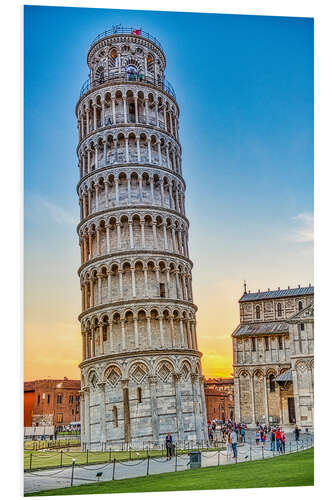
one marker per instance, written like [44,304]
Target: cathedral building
[141,368]
[273,356]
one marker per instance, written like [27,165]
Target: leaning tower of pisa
[141,369]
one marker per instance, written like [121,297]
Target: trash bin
[195,459]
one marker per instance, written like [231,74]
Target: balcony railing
[119,30]
[128,77]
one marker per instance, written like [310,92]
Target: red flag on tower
[136,32]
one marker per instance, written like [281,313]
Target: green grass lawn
[295,469]
[49,459]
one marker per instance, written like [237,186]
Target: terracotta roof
[263,328]
[275,294]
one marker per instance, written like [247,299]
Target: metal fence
[119,30]
[114,468]
[125,78]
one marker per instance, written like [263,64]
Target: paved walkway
[59,478]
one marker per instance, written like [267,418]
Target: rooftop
[275,294]
[120,30]
[262,328]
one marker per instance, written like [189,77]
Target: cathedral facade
[141,368]
[273,358]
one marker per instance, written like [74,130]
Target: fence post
[72,477]
[147,465]
[262,451]
[60,458]
[130,456]
[297,445]
[290,447]
[250,450]
[218,458]
[30,461]
[114,468]
[175,459]
[110,454]
[87,456]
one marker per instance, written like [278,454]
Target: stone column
[172,332]
[252,399]
[181,332]
[151,180]
[237,400]
[266,400]
[95,116]
[120,273]
[99,287]
[161,330]
[84,353]
[103,114]
[116,182]
[106,194]
[113,111]
[109,286]
[159,152]
[145,269]
[125,110]
[143,244]
[118,235]
[101,387]
[179,409]
[167,155]
[126,150]
[92,293]
[130,224]
[101,340]
[154,410]
[138,149]
[87,416]
[98,242]
[165,236]
[162,192]
[174,246]
[154,234]
[136,332]
[123,338]
[136,109]
[127,416]
[149,331]
[149,149]
[96,157]
[133,282]
[196,408]
[111,337]
[146,110]
[108,239]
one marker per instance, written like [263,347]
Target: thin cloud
[38,208]
[303,233]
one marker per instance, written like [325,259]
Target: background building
[141,369]
[51,402]
[219,395]
[273,357]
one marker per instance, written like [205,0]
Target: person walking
[233,437]
[296,433]
[273,440]
[257,437]
[228,436]
[168,445]
[278,438]
[283,441]
[242,433]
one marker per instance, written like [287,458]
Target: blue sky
[244,85]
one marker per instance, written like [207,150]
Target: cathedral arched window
[131,72]
[279,309]
[300,305]
[100,76]
[257,312]
[271,383]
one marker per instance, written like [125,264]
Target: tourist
[228,443]
[242,433]
[273,440]
[233,437]
[283,441]
[278,438]
[296,433]
[168,445]
[257,437]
